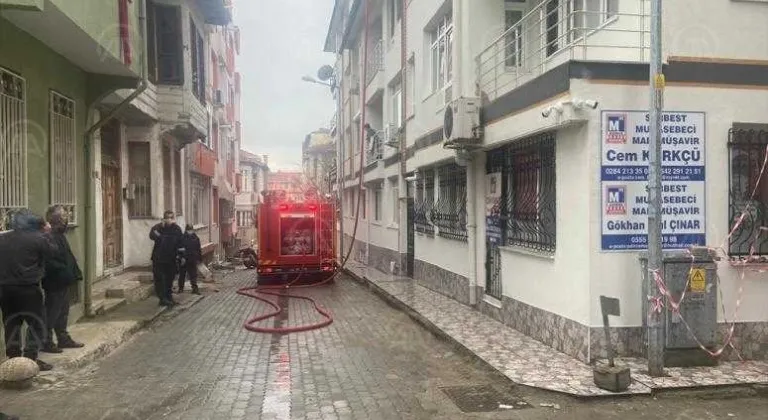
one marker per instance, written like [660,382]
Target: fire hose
[255,291]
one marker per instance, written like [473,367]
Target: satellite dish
[325,73]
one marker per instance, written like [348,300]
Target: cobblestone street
[372,362]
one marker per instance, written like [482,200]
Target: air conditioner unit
[460,123]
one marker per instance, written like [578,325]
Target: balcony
[202,160]
[553,33]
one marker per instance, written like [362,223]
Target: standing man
[23,254]
[167,236]
[61,272]
[190,259]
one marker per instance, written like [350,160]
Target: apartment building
[51,88]
[226,134]
[319,160]
[254,170]
[503,148]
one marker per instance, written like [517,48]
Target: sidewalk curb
[104,349]
[729,391]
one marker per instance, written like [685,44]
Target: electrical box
[698,278]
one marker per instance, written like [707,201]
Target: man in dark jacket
[190,258]
[167,236]
[23,253]
[61,272]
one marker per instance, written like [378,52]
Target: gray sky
[282,40]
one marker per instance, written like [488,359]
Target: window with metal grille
[13,145]
[450,211]
[63,154]
[748,192]
[424,203]
[528,191]
[200,194]
[140,205]
[441,46]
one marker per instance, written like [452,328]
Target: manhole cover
[482,399]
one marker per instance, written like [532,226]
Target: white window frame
[395,203]
[579,24]
[397,104]
[15,192]
[514,7]
[63,157]
[442,34]
[200,217]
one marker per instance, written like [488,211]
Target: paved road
[373,362]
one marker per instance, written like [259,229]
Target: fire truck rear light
[312,207]
[283,207]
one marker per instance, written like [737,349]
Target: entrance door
[111,186]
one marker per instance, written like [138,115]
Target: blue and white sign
[624,178]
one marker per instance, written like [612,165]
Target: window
[450,211]
[397,104]
[395,13]
[395,201]
[179,208]
[63,154]
[363,204]
[377,203]
[247,180]
[167,181]
[198,61]
[590,14]
[528,191]
[165,41]
[513,40]
[552,22]
[748,193]
[13,145]
[411,84]
[244,219]
[200,193]
[424,203]
[139,178]
[441,47]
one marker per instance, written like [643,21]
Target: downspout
[402,185]
[460,9]
[90,218]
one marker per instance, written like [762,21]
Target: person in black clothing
[23,253]
[189,259]
[61,272]
[167,236]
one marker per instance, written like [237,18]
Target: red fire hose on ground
[254,292]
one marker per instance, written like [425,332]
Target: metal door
[111,187]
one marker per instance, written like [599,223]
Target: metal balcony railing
[375,61]
[554,32]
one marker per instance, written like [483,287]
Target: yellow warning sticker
[697,280]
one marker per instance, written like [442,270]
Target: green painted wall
[99,19]
[45,70]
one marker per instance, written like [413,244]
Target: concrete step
[132,291]
[132,286]
[106,305]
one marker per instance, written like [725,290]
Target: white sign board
[624,179]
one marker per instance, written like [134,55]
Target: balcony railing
[374,150]
[554,32]
[375,60]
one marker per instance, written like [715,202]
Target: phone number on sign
[644,239]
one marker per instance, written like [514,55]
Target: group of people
[174,252]
[37,272]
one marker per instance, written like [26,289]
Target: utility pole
[655,333]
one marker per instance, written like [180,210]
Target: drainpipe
[459,23]
[88,138]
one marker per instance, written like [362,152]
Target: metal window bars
[63,154]
[13,146]
[528,192]
[746,154]
[450,211]
[424,203]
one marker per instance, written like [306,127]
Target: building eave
[215,12]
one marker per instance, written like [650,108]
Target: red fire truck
[296,238]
